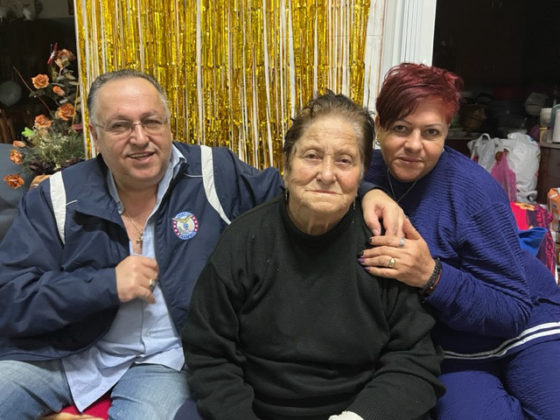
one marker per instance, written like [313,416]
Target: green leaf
[27,132]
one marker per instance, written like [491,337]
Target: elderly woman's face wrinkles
[324,174]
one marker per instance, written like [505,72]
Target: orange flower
[65,112]
[16,157]
[58,90]
[66,54]
[40,81]
[63,57]
[14,181]
[42,122]
[18,143]
[37,180]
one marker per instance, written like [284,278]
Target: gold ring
[392,262]
[401,243]
[151,284]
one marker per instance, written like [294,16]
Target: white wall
[53,9]
[398,31]
[373,50]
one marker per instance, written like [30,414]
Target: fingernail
[361,260]
[360,254]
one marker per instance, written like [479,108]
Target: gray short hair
[122,74]
[332,104]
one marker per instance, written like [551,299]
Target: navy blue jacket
[57,299]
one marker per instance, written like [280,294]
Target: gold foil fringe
[236,71]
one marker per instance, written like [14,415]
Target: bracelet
[433,280]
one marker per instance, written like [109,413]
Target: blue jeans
[32,389]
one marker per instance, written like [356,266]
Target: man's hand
[378,205]
[136,278]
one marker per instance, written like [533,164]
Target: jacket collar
[93,196]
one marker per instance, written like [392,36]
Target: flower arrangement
[56,140]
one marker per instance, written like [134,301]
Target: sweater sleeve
[210,343]
[488,293]
[39,294]
[405,384]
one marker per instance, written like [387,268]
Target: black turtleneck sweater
[284,325]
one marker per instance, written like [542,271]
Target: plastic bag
[504,175]
[483,150]
[523,158]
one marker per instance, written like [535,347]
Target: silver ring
[392,262]
[401,242]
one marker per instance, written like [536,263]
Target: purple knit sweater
[493,298]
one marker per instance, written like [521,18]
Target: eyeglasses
[122,128]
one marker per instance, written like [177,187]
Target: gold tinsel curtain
[234,71]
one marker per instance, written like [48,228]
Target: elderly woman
[498,307]
[284,323]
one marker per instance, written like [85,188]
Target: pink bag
[523,159]
[504,175]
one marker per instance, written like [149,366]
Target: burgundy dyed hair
[407,84]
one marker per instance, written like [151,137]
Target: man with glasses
[97,270]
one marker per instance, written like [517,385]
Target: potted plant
[56,139]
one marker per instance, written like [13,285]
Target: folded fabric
[530,216]
[531,239]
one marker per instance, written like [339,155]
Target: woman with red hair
[497,305]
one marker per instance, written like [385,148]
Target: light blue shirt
[140,333]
